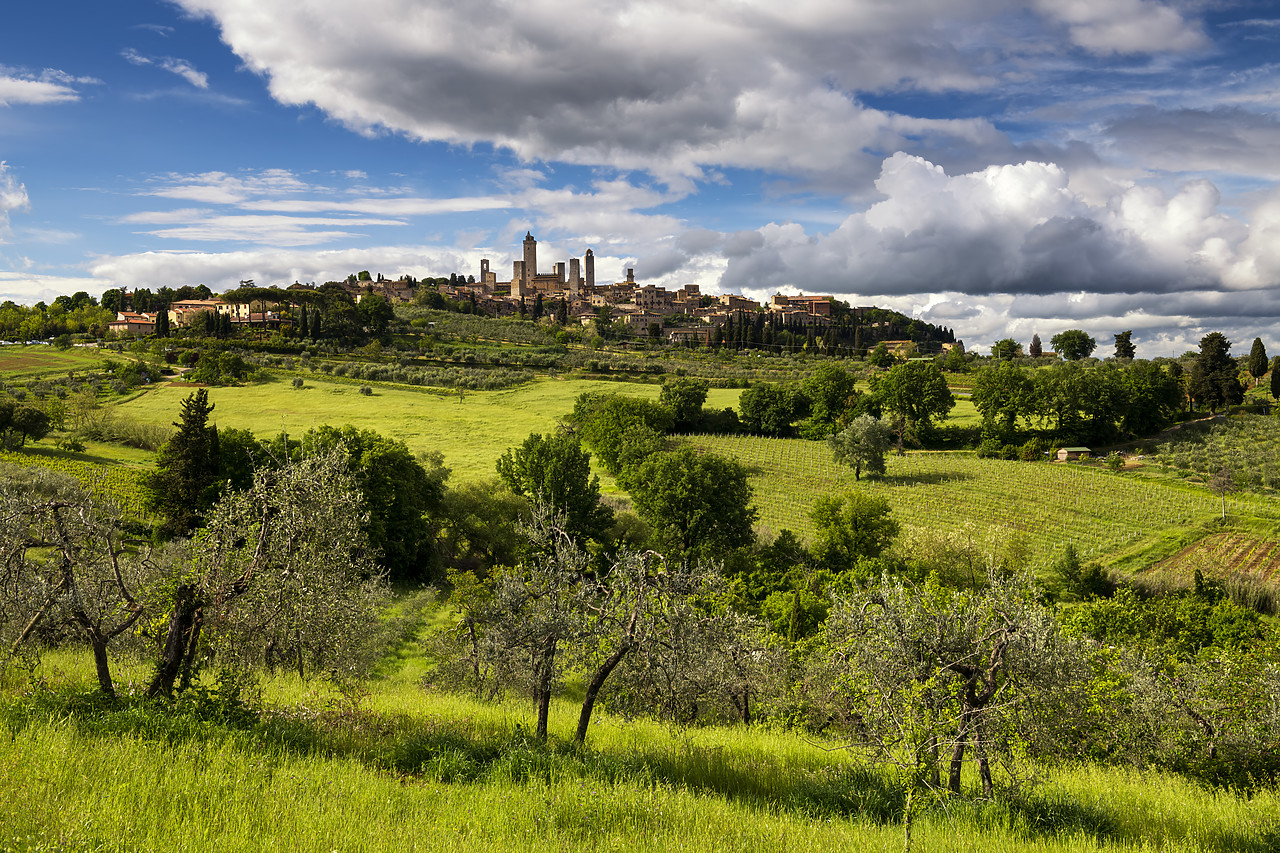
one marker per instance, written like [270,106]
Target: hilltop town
[571,294]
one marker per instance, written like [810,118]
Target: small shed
[1067,453]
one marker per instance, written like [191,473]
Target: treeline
[1077,403]
[79,314]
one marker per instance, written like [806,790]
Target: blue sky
[1001,168]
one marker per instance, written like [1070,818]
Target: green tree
[767,408]
[1125,349]
[1003,393]
[880,356]
[833,397]
[1257,361]
[1073,344]
[21,422]
[851,527]
[697,505]
[162,323]
[862,444]
[606,423]
[926,668]
[684,397]
[555,471]
[1215,380]
[376,313]
[401,496]
[1275,378]
[185,481]
[915,394]
[66,563]
[1006,348]
[1036,349]
[1152,397]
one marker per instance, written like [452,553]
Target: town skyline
[1002,169]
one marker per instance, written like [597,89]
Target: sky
[1000,168]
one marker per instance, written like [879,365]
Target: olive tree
[863,443]
[64,562]
[558,611]
[926,674]
[282,572]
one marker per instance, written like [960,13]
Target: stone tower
[530,260]
[590,264]
[575,276]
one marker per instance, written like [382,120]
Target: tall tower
[530,255]
[575,276]
[591,268]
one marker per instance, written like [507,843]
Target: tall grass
[410,770]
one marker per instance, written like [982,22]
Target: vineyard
[116,484]
[1247,445]
[1042,505]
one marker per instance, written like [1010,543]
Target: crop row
[1042,505]
[114,484]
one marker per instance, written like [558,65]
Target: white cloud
[48,87]
[223,188]
[181,67]
[1124,26]
[668,86]
[28,289]
[1013,249]
[224,270]
[196,226]
[13,196]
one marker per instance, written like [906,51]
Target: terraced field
[1226,554]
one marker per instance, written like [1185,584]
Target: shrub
[366,390]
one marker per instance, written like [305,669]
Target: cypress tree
[1257,361]
[303,331]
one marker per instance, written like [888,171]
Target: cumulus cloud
[180,67]
[1014,248]
[28,289]
[672,87]
[1017,228]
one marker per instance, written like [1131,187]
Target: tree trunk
[188,663]
[957,754]
[186,609]
[593,689]
[101,663]
[542,696]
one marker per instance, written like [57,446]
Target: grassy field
[471,430]
[1042,505]
[21,363]
[414,770]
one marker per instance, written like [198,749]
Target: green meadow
[471,429]
[22,363]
